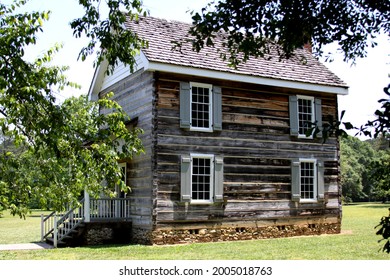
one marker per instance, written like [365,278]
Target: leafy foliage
[380,175]
[253,26]
[381,124]
[59,149]
[113,41]
[355,158]
[364,169]
[384,231]
[84,156]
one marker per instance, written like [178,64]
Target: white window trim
[212,183]
[210,87]
[313,115]
[315,183]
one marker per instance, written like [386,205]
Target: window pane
[305,115]
[201,178]
[307,180]
[200,107]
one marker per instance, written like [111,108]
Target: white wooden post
[42,227]
[55,237]
[117,207]
[87,207]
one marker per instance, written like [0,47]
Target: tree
[364,169]
[84,156]
[355,157]
[109,37]
[381,124]
[380,176]
[384,231]
[75,146]
[7,147]
[252,26]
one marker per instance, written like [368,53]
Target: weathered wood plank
[167,125]
[241,143]
[184,225]
[243,205]
[257,214]
[253,196]
[247,152]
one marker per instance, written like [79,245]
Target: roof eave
[97,80]
[149,65]
[179,69]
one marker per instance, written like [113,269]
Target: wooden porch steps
[71,236]
[50,240]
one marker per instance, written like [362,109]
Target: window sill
[308,201]
[302,136]
[201,129]
[194,202]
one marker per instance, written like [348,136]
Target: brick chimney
[308,46]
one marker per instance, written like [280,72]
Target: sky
[366,79]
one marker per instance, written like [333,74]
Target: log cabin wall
[257,151]
[135,94]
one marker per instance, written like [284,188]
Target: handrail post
[42,227]
[55,237]
[87,207]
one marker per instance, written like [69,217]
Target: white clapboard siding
[121,71]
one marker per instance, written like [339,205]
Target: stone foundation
[141,236]
[99,233]
[162,237]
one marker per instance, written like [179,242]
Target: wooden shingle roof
[160,33]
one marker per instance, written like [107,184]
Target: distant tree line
[364,169]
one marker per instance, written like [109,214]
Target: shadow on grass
[103,246]
[376,206]
[372,205]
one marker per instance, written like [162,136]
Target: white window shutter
[217,108]
[218,179]
[185,105]
[185,179]
[318,115]
[293,106]
[320,181]
[295,180]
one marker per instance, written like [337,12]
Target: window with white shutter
[305,113]
[201,178]
[200,107]
[307,180]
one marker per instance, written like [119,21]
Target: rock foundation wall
[141,236]
[231,234]
[105,233]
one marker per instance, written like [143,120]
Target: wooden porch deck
[58,227]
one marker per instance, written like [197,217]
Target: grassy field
[15,230]
[357,242]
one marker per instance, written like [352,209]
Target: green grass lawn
[357,242]
[15,230]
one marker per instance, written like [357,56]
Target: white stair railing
[60,225]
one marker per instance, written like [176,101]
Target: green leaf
[348,125]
